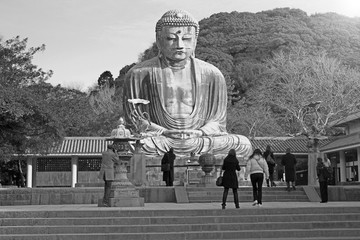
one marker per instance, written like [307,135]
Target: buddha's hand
[183,134]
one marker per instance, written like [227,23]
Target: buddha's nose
[180,44]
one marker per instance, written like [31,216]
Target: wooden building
[344,151]
[76,161]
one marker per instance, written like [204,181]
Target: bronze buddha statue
[188,97]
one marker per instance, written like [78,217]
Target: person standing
[167,167]
[107,172]
[256,166]
[230,180]
[323,176]
[270,160]
[289,162]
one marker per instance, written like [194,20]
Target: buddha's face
[177,43]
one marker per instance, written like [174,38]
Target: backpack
[270,160]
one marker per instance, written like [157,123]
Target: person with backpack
[323,171]
[256,166]
[270,160]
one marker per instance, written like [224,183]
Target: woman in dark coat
[230,180]
[167,166]
[289,162]
[270,160]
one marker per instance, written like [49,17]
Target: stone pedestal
[123,192]
[137,173]
[207,162]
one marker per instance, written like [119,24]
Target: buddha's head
[176,35]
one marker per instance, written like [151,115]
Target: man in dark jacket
[167,167]
[289,162]
[107,173]
[323,176]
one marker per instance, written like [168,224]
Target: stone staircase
[274,194]
[246,223]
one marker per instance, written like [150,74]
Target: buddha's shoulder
[144,66]
[207,66]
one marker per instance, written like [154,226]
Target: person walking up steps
[256,166]
[289,162]
[270,160]
[230,180]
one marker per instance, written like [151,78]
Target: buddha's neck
[176,64]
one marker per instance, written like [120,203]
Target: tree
[70,106]
[26,122]
[106,102]
[252,117]
[313,89]
[106,78]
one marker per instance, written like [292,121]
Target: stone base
[206,185]
[123,197]
[207,181]
[123,202]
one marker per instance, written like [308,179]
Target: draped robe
[146,81]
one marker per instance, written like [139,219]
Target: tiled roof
[298,145]
[96,145]
[80,146]
[345,142]
[346,120]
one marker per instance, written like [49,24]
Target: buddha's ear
[193,53]
[158,42]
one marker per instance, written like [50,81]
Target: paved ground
[164,206]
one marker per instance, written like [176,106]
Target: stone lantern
[123,192]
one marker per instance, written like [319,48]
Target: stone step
[245,195]
[334,233]
[161,220]
[176,227]
[111,212]
[248,223]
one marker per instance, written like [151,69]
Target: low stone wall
[60,196]
[90,195]
[342,193]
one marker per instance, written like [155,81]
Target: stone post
[313,155]
[29,172]
[137,173]
[342,166]
[358,163]
[74,170]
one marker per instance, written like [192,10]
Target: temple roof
[342,143]
[96,145]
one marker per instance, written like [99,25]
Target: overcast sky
[84,38]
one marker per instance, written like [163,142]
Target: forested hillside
[238,42]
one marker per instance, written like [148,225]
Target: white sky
[84,38]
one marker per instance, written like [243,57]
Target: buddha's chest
[178,92]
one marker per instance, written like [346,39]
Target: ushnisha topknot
[177,18]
